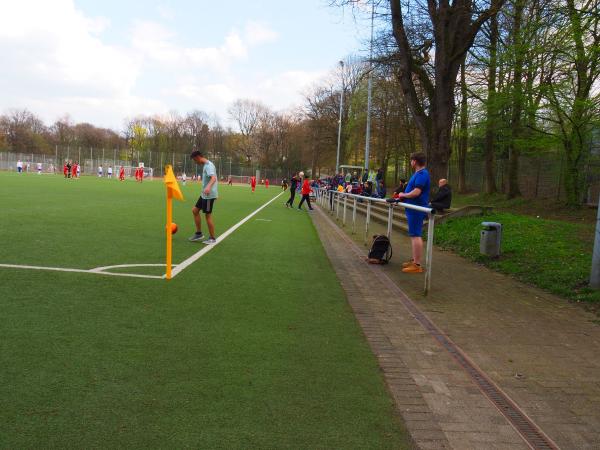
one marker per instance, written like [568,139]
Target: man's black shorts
[205,205]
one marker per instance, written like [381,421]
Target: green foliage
[553,255]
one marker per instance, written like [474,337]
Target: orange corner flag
[172,184]
[172,191]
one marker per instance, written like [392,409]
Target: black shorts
[205,205]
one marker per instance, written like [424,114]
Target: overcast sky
[102,61]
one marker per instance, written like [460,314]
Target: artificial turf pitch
[251,346]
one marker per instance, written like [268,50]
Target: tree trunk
[571,176]
[437,141]
[492,112]
[463,139]
[517,95]
[454,31]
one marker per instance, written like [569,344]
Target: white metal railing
[332,200]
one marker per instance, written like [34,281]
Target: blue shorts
[415,221]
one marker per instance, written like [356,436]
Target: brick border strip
[531,433]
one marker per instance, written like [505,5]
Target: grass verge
[551,254]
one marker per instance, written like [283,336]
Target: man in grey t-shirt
[207,198]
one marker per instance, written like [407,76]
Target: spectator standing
[416,193]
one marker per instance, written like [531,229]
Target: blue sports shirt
[421,180]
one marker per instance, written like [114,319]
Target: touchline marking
[196,256]
[91,271]
[120,266]
[177,268]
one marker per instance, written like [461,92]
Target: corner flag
[172,184]
[173,190]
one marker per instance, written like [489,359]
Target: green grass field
[552,254]
[252,346]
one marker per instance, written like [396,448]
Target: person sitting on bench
[443,198]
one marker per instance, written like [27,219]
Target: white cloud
[58,61]
[58,50]
[279,91]
[285,89]
[259,33]
[156,42]
[166,12]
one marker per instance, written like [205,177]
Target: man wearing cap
[207,198]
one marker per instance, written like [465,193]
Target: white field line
[196,256]
[120,266]
[177,268]
[92,271]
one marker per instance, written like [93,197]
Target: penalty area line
[199,254]
[91,271]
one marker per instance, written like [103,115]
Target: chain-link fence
[89,159]
[539,177]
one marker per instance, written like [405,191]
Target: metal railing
[336,201]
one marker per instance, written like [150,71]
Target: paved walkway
[541,352]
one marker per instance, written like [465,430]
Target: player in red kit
[267,183]
[122,174]
[253,183]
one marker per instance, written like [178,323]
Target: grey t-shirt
[209,171]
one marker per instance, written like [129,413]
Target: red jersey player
[122,174]
[253,183]
[266,182]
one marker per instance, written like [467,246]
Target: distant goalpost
[239,179]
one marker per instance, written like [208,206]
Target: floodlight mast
[339,141]
[370,90]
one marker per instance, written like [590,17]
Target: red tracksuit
[306,190]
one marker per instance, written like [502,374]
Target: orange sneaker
[413,268]
[407,263]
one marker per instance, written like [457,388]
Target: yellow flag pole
[169,235]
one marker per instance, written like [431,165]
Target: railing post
[337,211]
[367,220]
[345,203]
[429,253]
[390,219]
[354,217]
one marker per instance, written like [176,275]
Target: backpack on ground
[381,250]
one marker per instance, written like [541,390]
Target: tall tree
[463,134]
[572,98]
[452,27]
[516,121]
[491,105]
